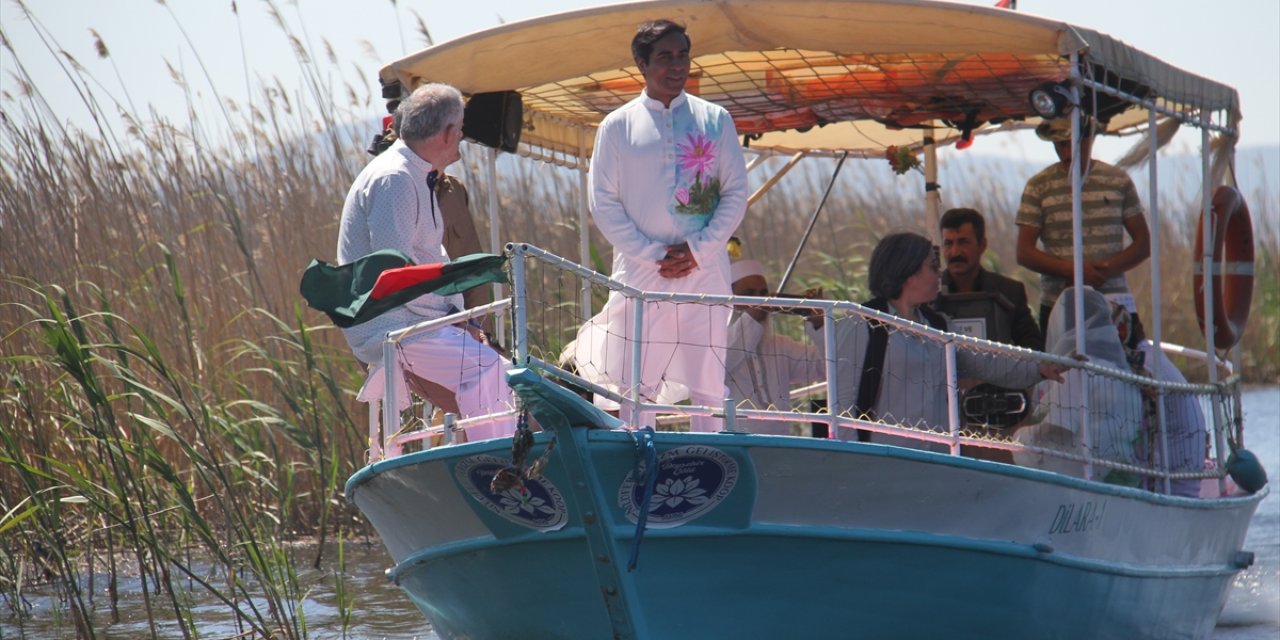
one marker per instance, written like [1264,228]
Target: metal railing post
[953,399]
[829,352]
[375,450]
[450,423]
[1162,421]
[519,302]
[390,416]
[637,329]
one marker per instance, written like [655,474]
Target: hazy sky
[1234,41]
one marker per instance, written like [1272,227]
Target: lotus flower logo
[674,491]
[689,482]
[516,502]
[536,504]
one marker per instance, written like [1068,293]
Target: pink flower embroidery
[696,155]
[682,195]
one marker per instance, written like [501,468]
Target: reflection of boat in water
[632,533]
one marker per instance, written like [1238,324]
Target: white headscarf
[744,268]
[1101,342]
[1115,407]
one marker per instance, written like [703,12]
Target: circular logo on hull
[539,506]
[691,481]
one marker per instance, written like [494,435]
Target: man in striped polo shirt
[1111,210]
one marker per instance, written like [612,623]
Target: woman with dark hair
[895,376]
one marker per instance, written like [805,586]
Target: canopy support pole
[1211,274]
[1077,259]
[764,188]
[932,195]
[500,323]
[584,233]
[786,276]
[1162,421]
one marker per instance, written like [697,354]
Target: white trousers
[473,371]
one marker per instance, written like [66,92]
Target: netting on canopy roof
[878,69]
[798,89]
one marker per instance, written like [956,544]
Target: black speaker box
[494,119]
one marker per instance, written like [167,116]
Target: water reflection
[378,608]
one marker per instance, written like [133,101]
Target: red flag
[393,280]
[1007,4]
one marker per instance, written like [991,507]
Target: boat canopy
[820,76]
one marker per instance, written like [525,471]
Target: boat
[588,527]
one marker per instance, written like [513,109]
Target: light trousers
[473,371]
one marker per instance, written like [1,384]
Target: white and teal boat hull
[767,536]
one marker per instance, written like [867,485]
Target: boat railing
[389,442]
[547,321]
[1086,426]
[1198,355]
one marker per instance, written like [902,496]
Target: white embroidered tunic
[661,176]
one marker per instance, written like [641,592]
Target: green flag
[371,285]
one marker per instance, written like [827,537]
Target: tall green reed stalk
[120,444]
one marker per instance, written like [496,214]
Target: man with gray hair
[393,205]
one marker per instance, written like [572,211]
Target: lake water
[382,611]
[1253,610]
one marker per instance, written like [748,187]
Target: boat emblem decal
[691,481]
[539,505]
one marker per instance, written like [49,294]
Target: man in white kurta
[762,366]
[668,188]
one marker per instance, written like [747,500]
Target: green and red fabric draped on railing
[361,290]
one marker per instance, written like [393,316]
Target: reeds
[171,412]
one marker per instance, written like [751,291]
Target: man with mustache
[964,241]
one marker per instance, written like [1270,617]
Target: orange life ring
[1232,270]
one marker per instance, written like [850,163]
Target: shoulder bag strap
[872,367]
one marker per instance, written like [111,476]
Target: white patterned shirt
[389,206]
